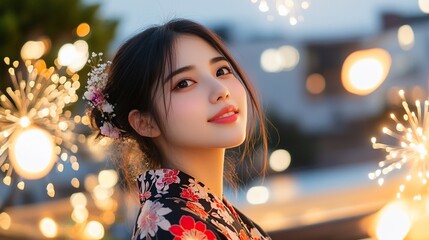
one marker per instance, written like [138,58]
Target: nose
[219,91]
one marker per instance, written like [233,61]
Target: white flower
[107,107]
[151,217]
[89,95]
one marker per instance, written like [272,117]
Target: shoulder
[168,219]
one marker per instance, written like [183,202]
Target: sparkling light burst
[410,150]
[290,9]
[37,98]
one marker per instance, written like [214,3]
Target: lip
[227,119]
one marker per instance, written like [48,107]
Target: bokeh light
[424,6]
[406,37]
[79,214]
[257,195]
[94,230]
[5,221]
[291,9]
[364,71]
[315,83]
[33,50]
[108,178]
[32,153]
[284,58]
[279,160]
[271,61]
[74,56]
[393,222]
[48,227]
[78,200]
[83,29]
[289,56]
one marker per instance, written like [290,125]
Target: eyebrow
[188,68]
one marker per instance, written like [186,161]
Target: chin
[236,142]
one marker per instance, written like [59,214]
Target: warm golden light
[75,183]
[7,180]
[24,122]
[315,83]
[32,50]
[424,6]
[90,182]
[108,178]
[48,227]
[406,37]
[393,222]
[74,56]
[5,221]
[50,190]
[279,160]
[101,193]
[83,29]
[364,71]
[80,214]
[94,230]
[257,195]
[21,185]
[32,153]
[78,200]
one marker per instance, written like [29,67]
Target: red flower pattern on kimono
[176,206]
[189,229]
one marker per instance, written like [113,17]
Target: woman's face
[206,103]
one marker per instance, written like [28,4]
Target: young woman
[176,92]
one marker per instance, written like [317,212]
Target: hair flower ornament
[97,80]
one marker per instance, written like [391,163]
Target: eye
[223,71]
[184,84]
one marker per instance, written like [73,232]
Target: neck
[205,165]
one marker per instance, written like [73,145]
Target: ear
[143,124]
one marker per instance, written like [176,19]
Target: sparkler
[412,151]
[38,103]
[284,8]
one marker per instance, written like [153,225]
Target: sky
[324,18]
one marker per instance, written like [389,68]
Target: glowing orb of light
[48,227]
[271,61]
[279,160]
[24,122]
[94,230]
[424,6]
[290,57]
[78,200]
[394,222]
[66,54]
[364,71]
[284,58]
[406,37]
[108,178]
[315,83]
[257,195]
[74,56]
[5,221]
[32,152]
[83,29]
[33,50]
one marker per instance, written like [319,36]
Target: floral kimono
[176,206]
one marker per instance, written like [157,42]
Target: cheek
[185,111]
[239,94]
